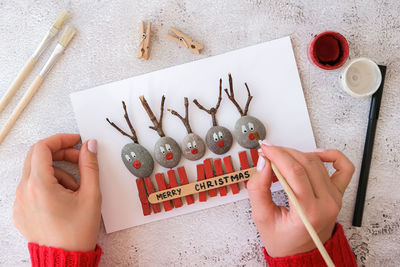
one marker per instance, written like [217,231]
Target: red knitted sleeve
[42,256]
[337,247]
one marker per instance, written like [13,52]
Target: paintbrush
[57,52]
[292,197]
[24,72]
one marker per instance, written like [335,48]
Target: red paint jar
[328,50]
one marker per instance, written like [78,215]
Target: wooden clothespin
[184,40]
[144,47]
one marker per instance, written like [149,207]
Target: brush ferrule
[45,43]
[57,52]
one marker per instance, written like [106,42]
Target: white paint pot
[361,77]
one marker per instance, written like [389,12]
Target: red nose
[251,136]
[136,164]
[221,143]
[194,151]
[169,156]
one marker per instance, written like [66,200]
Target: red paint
[150,189]
[229,168]
[194,151]
[251,136]
[169,156]
[162,186]
[144,201]
[200,177]
[329,50]
[221,143]
[210,174]
[244,163]
[173,183]
[254,156]
[220,171]
[136,164]
[184,180]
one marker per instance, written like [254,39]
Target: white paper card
[271,73]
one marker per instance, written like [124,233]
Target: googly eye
[220,135]
[244,129]
[251,126]
[133,154]
[128,158]
[168,147]
[162,149]
[194,144]
[189,145]
[215,136]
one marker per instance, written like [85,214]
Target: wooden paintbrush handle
[17,82]
[20,107]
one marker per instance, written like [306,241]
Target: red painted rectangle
[143,197]
[200,177]
[184,180]
[229,168]
[162,186]
[244,163]
[150,189]
[274,178]
[173,183]
[210,174]
[220,171]
[254,156]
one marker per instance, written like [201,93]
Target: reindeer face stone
[193,147]
[219,139]
[244,131]
[167,152]
[137,159]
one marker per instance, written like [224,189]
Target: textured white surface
[105,51]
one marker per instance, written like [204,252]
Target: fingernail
[260,163]
[319,150]
[92,146]
[266,142]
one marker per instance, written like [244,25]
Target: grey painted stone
[167,152]
[219,139]
[137,159]
[244,131]
[193,147]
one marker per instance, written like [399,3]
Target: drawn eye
[128,158]
[194,144]
[220,135]
[133,154]
[251,126]
[189,145]
[244,129]
[168,147]
[215,136]
[162,149]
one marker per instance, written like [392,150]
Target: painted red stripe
[173,183]
[220,171]
[184,180]
[210,174]
[274,178]
[162,186]
[254,156]
[229,168]
[143,197]
[150,189]
[244,163]
[200,177]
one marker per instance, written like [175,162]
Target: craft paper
[271,73]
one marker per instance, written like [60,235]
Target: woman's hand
[319,194]
[50,207]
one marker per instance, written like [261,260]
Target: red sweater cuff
[42,256]
[338,248]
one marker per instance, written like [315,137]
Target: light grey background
[105,50]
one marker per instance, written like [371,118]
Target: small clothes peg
[186,41]
[144,47]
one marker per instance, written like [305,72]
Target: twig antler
[232,97]
[133,136]
[212,111]
[186,119]
[157,123]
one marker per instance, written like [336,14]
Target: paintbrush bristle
[61,19]
[256,136]
[67,36]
